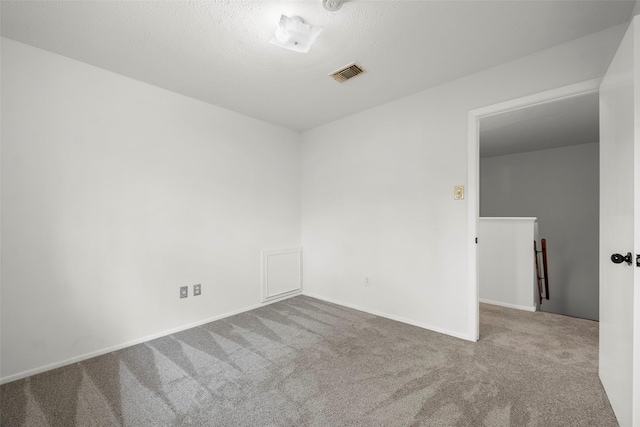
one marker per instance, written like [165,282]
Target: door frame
[473,179]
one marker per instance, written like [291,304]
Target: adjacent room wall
[507,274]
[378,189]
[114,194]
[561,188]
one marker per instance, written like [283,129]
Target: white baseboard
[393,317]
[100,352]
[505,304]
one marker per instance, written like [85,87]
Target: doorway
[511,109]
[542,161]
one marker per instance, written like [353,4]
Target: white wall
[114,194]
[561,188]
[507,275]
[378,189]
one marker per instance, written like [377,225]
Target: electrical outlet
[367,281]
[196,290]
[184,291]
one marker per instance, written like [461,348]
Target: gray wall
[561,188]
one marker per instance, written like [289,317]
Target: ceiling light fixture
[293,34]
[332,5]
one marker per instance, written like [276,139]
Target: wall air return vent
[348,72]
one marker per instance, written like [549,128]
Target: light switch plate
[458,192]
[184,291]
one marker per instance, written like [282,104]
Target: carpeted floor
[305,362]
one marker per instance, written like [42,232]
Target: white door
[620,230]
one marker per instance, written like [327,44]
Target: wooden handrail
[535,256]
[545,269]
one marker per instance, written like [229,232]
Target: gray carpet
[305,362]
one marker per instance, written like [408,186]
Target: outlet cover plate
[184,291]
[196,290]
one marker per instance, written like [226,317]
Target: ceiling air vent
[350,71]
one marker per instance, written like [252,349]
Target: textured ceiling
[219,51]
[570,121]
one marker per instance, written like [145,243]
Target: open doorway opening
[473,193]
[541,161]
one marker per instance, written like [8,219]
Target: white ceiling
[570,121]
[219,51]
